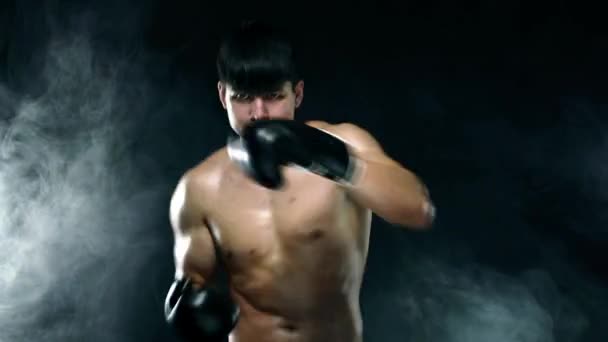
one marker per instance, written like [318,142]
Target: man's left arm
[376,181]
[383,185]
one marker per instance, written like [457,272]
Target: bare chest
[302,224]
[255,222]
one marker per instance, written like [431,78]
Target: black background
[499,106]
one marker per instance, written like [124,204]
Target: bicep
[363,145]
[194,255]
[194,252]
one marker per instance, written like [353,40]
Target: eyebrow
[257,93]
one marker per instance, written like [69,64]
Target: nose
[259,111]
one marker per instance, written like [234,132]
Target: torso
[296,256]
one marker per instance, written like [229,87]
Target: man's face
[244,108]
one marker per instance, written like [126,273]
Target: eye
[274,96]
[241,97]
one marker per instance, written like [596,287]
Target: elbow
[421,218]
[427,218]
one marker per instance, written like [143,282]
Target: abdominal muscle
[339,321]
[309,294]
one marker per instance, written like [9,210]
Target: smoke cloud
[426,297]
[473,303]
[73,198]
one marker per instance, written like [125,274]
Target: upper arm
[194,250]
[362,144]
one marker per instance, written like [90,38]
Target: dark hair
[256,58]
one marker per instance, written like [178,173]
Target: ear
[221,90]
[299,91]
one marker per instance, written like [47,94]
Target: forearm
[392,192]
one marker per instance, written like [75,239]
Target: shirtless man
[272,231]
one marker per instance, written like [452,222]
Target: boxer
[272,230]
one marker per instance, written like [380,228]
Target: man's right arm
[195,309]
[193,248]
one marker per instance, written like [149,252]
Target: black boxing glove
[266,145]
[205,314]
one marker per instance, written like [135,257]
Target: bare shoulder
[332,128]
[355,135]
[206,173]
[194,192]
[319,124]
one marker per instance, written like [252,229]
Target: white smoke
[433,300]
[462,305]
[71,199]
